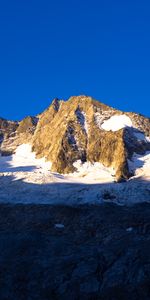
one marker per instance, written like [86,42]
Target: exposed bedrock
[80,129]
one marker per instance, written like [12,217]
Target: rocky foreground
[89,252]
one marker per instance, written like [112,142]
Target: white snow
[90,173]
[116,123]
[148,139]
[140,165]
[24,165]
[24,160]
[25,179]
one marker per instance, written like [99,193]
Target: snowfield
[23,160]
[116,123]
[26,179]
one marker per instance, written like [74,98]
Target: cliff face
[73,130]
[87,130]
[7,127]
[7,133]
[14,134]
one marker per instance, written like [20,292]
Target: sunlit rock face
[82,129]
[14,134]
[87,130]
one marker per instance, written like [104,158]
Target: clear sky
[59,48]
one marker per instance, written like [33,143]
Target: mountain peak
[56,103]
[84,129]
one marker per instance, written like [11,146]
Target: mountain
[93,233]
[80,129]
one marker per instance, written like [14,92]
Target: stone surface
[37,261]
[72,130]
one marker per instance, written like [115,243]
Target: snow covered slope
[25,179]
[116,123]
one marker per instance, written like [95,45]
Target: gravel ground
[88,252]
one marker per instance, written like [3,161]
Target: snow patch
[92,172]
[24,160]
[116,123]
[140,165]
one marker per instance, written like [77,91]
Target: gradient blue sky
[61,48]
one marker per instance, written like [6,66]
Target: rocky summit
[80,129]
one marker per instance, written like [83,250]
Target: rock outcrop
[72,130]
[7,133]
[77,129]
[13,134]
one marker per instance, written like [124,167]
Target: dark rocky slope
[102,253]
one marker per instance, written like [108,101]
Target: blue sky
[61,48]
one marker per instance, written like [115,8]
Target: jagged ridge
[71,130]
